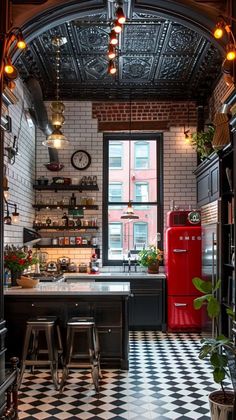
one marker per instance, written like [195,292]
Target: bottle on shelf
[72,201]
[65,220]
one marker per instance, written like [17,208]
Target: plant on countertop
[149,256]
[17,259]
[220,349]
[202,142]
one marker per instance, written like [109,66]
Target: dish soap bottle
[73,200]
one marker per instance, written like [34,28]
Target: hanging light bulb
[218,31]
[15,215]
[113,38]
[111,67]
[56,139]
[10,71]
[120,15]
[230,52]
[111,52]
[117,26]
[21,44]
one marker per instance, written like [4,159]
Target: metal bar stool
[75,326]
[48,326]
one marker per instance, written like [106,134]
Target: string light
[223,27]
[113,38]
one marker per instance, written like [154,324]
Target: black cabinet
[207,178]
[109,312]
[147,304]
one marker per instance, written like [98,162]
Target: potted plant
[150,257]
[219,350]
[16,259]
[202,142]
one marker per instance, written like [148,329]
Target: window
[143,187]
[140,235]
[141,192]
[115,240]
[115,155]
[115,192]
[141,155]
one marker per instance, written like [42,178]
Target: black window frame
[159,200]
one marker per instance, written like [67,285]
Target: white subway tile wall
[81,130]
[21,174]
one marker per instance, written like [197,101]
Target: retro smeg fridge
[183,262]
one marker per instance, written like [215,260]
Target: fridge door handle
[179,251]
[180,304]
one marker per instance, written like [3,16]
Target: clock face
[80,159]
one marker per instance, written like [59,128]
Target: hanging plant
[202,142]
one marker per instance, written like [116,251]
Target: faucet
[129,263]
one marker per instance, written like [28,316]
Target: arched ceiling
[165,50]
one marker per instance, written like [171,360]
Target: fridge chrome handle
[179,251]
[213,260]
[180,304]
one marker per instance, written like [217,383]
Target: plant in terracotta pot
[150,257]
[16,259]
[219,350]
[202,142]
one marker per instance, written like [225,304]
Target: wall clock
[80,159]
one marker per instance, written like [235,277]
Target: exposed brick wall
[20,175]
[176,113]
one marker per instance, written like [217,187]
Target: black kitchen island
[107,302]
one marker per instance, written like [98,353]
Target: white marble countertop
[115,275]
[73,289]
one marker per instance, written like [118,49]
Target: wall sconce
[15,217]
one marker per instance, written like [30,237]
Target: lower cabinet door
[145,311]
[182,315]
[110,340]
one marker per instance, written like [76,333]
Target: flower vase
[14,276]
[153,268]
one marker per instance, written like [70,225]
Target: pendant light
[57,139]
[129,212]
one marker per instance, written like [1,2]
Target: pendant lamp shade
[129,213]
[56,139]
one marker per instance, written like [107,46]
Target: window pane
[115,240]
[140,235]
[141,155]
[115,192]
[130,234]
[115,155]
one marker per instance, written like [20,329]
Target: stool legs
[93,351]
[48,327]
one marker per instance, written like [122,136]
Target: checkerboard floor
[166,381]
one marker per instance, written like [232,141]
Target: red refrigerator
[183,262]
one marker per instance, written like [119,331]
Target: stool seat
[77,325]
[49,327]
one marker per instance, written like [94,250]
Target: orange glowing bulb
[21,44]
[8,69]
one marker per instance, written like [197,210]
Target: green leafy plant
[220,348]
[17,259]
[149,256]
[202,142]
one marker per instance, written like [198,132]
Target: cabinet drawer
[107,314]
[146,284]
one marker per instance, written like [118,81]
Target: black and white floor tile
[166,381]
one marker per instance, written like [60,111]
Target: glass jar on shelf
[83,200]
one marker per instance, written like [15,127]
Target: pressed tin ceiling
[159,58]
